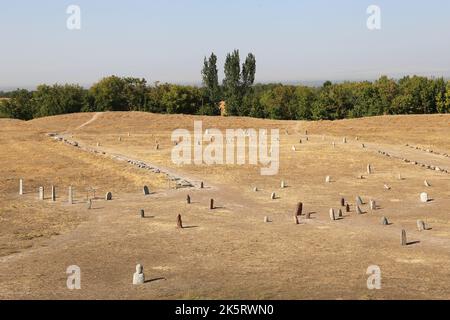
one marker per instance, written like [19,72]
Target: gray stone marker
[273,196]
[89,204]
[358,210]
[70,195]
[138,276]
[296,221]
[342,202]
[108,196]
[340,214]
[41,193]
[53,193]
[373,205]
[347,208]
[211,204]
[21,187]
[384,221]
[404,240]
[421,225]
[202,185]
[188,199]
[146,191]
[142,213]
[359,201]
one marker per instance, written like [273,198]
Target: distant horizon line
[311,83]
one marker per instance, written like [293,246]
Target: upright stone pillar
[41,193]
[70,195]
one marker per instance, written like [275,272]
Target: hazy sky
[166,40]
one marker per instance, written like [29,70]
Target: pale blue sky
[166,40]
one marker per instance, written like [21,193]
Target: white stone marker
[273,196]
[369,169]
[426,183]
[332,215]
[328,179]
[21,187]
[421,225]
[41,193]
[283,184]
[424,197]
[70,195]
[138,276]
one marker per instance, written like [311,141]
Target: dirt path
[94,118]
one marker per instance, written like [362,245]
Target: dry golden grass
[228,252]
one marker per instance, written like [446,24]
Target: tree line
[331,101]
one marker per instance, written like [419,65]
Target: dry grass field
[228,252]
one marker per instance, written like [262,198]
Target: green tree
[58,99]
[387,90]
[211,79]
[232,82]
[108,94]
[19,105]
[305,97]
[135,93]
[181,99]
[443,99]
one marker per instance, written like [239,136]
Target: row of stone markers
[180,182]
[70,198]
[428,151]
[416,163]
